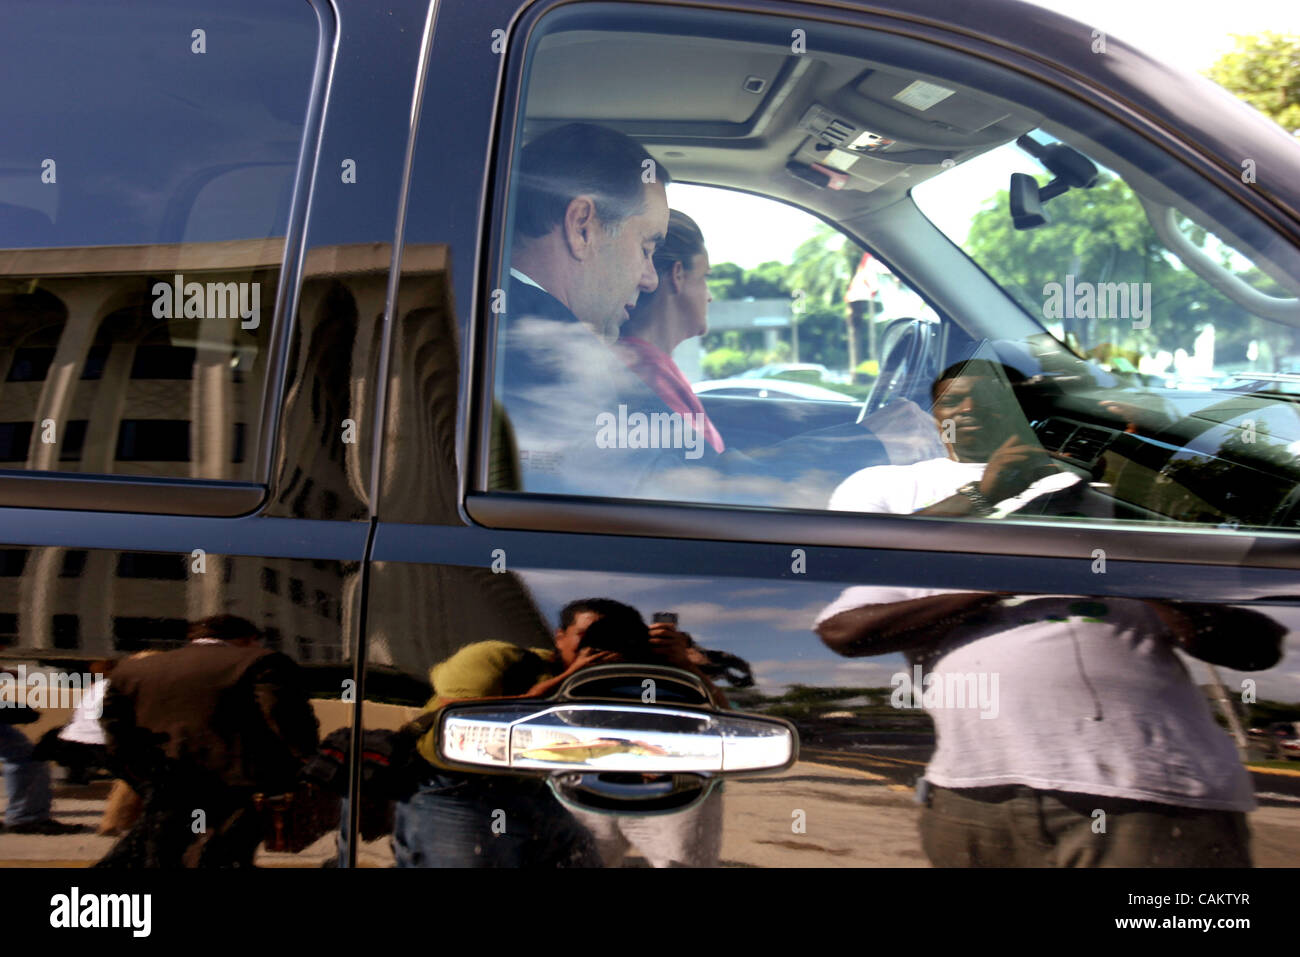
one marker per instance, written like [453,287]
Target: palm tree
[821,269]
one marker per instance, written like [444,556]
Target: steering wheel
[908,369]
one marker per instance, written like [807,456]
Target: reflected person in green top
[467,820]
[498,669]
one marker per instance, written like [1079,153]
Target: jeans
[689,838]
[1017,826]
[455,820]
[27,782]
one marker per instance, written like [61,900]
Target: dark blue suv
[403,332]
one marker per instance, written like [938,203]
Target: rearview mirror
[1026,205]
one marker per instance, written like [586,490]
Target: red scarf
[657,369]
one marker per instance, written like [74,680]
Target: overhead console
[883,123]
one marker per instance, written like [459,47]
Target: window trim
[128,493]
[530,511]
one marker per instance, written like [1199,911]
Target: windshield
[1113,288]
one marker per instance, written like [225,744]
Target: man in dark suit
[570,417]
[590,210]
[197,732]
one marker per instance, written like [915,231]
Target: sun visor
[939,106]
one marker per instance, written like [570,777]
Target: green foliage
[820,271]
[1264,70]
[724,280]
[725,362]
[813,693]
[822,267]
[810,376]
[747,699]
[779,353]
[822,336]
[1264,712]
[767,281]
[1101,235]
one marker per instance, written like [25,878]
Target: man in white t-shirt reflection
[1069,732]
[994,464]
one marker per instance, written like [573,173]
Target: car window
[145,184]
[1131,302]
[782,301]
[597,367]
[1118,346]
[1195,343]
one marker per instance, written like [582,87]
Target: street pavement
[828,810]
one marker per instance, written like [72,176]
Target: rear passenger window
[147,170]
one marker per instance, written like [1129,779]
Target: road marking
[1280,772]
[861,756]
[870,775]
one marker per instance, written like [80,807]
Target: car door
[198,210]
[1086,669]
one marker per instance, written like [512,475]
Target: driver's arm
[1013,467]
[953,505]
[899,625]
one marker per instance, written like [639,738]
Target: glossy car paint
[381,279]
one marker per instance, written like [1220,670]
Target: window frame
[55,490]
[653,519]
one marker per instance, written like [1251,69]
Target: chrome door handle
[526,737]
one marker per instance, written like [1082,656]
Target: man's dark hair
[620,628]
[973,368]
[575,160]
[223,628]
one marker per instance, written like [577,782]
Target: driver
[993,463]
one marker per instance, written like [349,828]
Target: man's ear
[580,225]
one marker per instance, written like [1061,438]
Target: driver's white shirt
[903,489]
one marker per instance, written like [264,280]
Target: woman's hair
[682,244]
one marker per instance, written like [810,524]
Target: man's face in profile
[622,266]
[568,640]
[973,414]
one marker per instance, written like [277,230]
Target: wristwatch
[982,506]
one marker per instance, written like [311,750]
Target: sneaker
[48,826]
